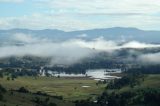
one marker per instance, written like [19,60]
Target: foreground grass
[26,99]
[70,88]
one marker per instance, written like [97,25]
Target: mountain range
[115,33]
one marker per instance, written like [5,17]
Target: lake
[96,74]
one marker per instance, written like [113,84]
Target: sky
[69,15]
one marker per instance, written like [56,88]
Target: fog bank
[69,51]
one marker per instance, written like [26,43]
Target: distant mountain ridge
[115,33]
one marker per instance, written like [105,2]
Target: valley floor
[69,88]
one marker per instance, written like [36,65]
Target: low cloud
[26,38]
[152,58]
[70,51]
[138,45]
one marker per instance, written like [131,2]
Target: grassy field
[69,88]
[26,99]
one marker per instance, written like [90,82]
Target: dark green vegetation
[131,90]
[147,69]
[137,97]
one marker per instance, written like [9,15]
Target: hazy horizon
[121,27]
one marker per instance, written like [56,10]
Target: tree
[2,89]
[8,78]
[52,104]
[1,96]
[23,90]
[1,75]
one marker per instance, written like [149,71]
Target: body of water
[97,74]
